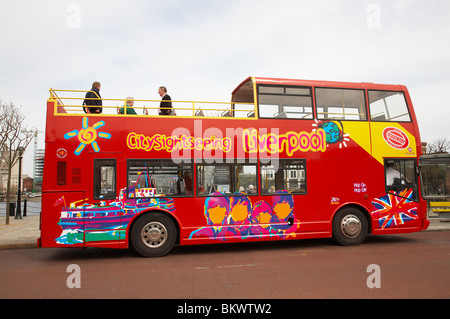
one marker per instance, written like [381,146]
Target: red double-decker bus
[284,159]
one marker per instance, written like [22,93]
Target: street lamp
[20,149]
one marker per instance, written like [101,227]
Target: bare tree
[440,145]
[14,140]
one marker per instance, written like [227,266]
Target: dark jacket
[166,104]
[92,95]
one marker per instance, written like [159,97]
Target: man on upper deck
[165,108]
[94,93]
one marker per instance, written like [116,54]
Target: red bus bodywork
[339,176]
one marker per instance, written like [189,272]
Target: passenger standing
[94,93]
[165,108]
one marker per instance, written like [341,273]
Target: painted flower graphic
[88,135]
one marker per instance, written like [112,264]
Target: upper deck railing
[71,102]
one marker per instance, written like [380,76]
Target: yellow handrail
[191,109]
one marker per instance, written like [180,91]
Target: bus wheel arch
[153,233]
[351,225]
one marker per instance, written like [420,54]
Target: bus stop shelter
[435,176]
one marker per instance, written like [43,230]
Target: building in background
[14,178]
[38,169]
[28,184]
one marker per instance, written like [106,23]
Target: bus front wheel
[350,226]
[153,235]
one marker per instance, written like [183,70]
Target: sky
[202,49]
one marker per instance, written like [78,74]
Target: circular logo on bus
[396,138]
[61,153]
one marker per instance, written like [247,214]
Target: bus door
[103,214]
[399,208]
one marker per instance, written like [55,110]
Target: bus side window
[387,106]
[155,177]
[288,175]
[229,179]
[292,102]
[104,179]
[341,104]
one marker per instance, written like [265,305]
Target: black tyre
[153,235]
[350,226]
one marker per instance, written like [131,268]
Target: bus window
[149,178]
[226,178]
[245,179]
[401,175]
[290,175]
[61,173]
[104,179]
[213,178]
[285,102]
[341,104]
[388,106]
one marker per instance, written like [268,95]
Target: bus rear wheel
[153,235]
[350,226]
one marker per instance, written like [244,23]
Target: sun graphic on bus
[87,135]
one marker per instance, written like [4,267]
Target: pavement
[20,233]
[23,233]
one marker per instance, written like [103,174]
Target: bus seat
[379,118]
[61,109]
[281,115]
[199,112]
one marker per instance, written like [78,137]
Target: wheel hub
[351,226]
[154,235]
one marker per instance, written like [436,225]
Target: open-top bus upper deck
[243,102]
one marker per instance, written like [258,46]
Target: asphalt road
[409,266]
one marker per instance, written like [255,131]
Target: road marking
[229,266]
[304,252]
[237,266]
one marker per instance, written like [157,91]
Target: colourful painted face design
[239,212]
[282,210]
[217,214]
[264,218]
[237,217]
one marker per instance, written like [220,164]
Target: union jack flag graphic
[395,208]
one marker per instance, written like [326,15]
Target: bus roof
[299,82]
